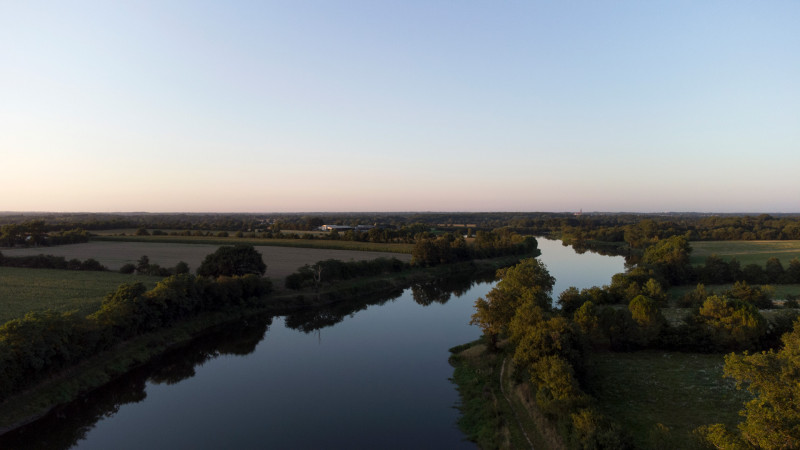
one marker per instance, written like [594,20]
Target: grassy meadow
[747,252]
[682,391]
[25,290]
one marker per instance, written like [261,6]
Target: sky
[297,106]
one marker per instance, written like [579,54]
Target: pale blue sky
[400,105]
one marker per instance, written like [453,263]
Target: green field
[25,290]
[679,390]
[747,252]
[297,243]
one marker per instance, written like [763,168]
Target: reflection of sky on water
[581,271]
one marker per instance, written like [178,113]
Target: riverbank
[496,410]
[105,367]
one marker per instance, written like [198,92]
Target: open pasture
[747,252]
[280,261]
[25,290]
[679,390]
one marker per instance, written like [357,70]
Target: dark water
[370,374]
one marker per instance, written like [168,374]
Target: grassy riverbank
[495,410]
[104,367]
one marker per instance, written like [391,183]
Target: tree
[653,290]
[528,281]
[731,323]
[774,270]
[772,418]
[650,321]
[143,265]
[570,300]
[793,272]
[181,267]
[671,258]
[231,261]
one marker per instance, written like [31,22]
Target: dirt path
[505,396]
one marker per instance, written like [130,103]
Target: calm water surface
[368,376]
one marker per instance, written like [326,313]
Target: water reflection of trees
[324,316]
[424,293]
[65,426]
[441,290]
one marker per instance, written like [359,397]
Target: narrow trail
[503,391]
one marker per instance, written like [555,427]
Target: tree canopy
[231,261]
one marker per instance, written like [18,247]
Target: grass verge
[496,412]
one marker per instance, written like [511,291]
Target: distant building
[335,227]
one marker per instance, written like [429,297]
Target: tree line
[636,230]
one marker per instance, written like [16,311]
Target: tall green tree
[527,282]
[671,258]
[772,417]
[230,261]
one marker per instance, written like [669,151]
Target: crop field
[679,390]
[281,261]
[25,290]
[747,252]
[295,243]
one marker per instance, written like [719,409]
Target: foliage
[671,258]
[51,262]
[332,270]
[42,343]
[760,297]
[648,318]
[452,247]
[732,324]
[529,281]
[237,260]
[772,417]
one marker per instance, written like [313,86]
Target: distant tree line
[50,262]
[636,230]
[36,233]
[452,247]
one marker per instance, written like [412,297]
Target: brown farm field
[747,252]
[281,261]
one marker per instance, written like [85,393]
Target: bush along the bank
[41,344]
[331,270]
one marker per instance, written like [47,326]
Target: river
[370,375]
